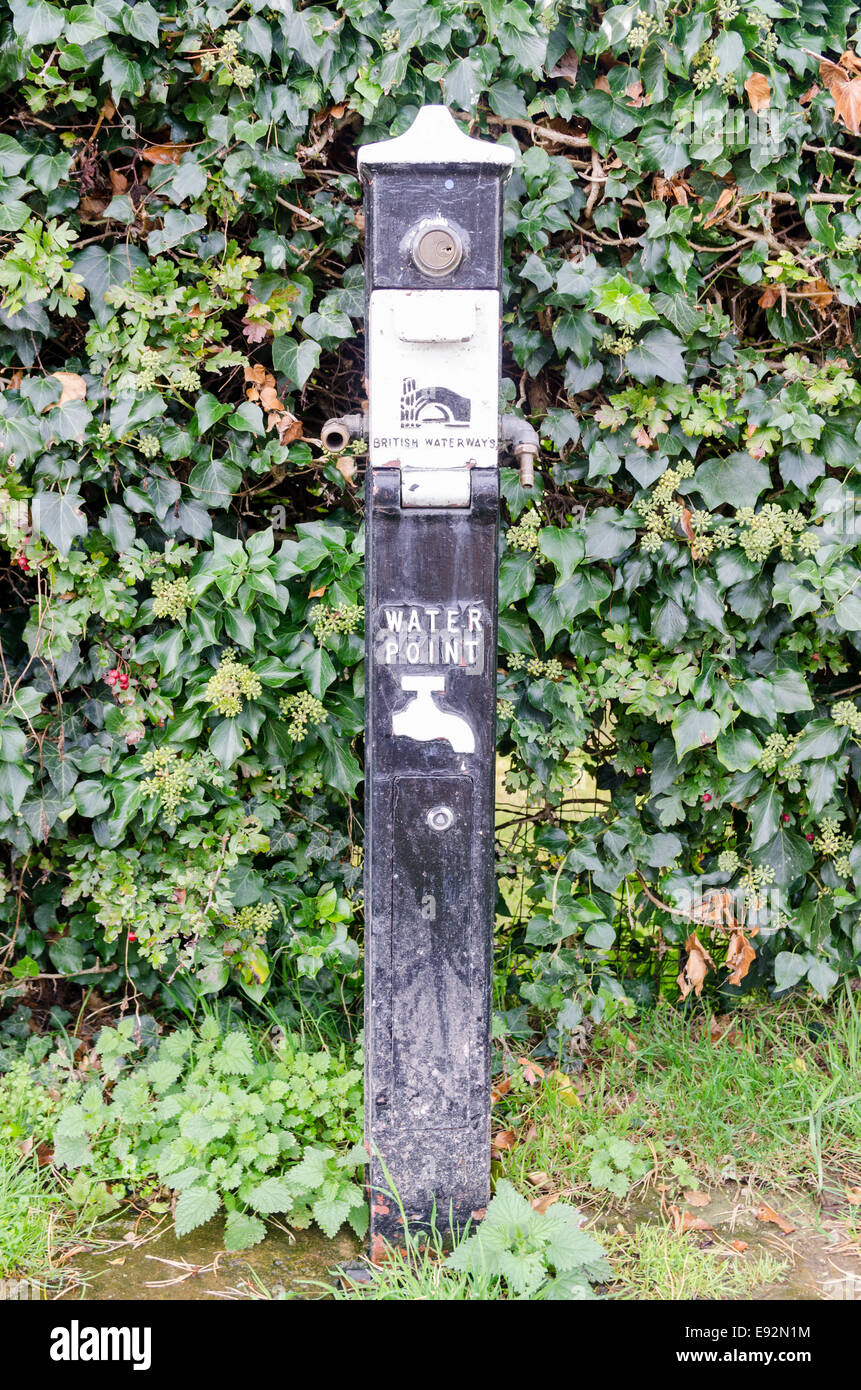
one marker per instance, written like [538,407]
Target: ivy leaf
[621,302]
[565,547]
[738,750]
[226,742]
[587,589]
[174,229]
[658,354]
[694,727]
[788,854]
[67,955]
[737,480]
[140,21]
[819,739]
[822,977]
[790,969]
[516,577]
[215,482]
[765,817]
[58,516]
[36,23]
[101,269]
[297,360]
[319,672]
[339,766]
[847,611]
[669,622]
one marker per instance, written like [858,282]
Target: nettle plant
[181,306]
[534,1255]
[223,1130]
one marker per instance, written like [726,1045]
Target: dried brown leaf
[686,1221]
[722,1030]
[716,909]
[819,292]
[766,1213]
[541,1204]
[500,1089]
[696,967]
[846,92]
[74,387]
[721,207]
[567,66]
[758,91]
[690,1222]
[697,1199]
[531,1070]
[538,1178]
[739,957]
[165,154]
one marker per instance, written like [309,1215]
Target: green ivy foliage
[181,301]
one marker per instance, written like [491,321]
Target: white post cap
[434,138]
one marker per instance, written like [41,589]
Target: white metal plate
[434,394]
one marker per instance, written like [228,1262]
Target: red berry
[638,771]
[112,677]
[707,796]
[124,682]
[132,936]
[785,818]
[811,837]
[815,656]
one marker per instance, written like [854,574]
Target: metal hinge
[436,487]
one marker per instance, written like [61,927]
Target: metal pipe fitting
[337,433]
[523,442]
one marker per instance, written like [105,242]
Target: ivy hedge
[181,564]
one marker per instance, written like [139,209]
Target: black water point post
[433,199]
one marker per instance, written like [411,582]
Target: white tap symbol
[423,720]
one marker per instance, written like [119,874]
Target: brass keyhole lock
[437,248]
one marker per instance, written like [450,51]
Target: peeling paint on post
[434,200]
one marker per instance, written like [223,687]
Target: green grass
[778,1099]
[785,1098]
[418,1274]
[653,1263]
[36,1220]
